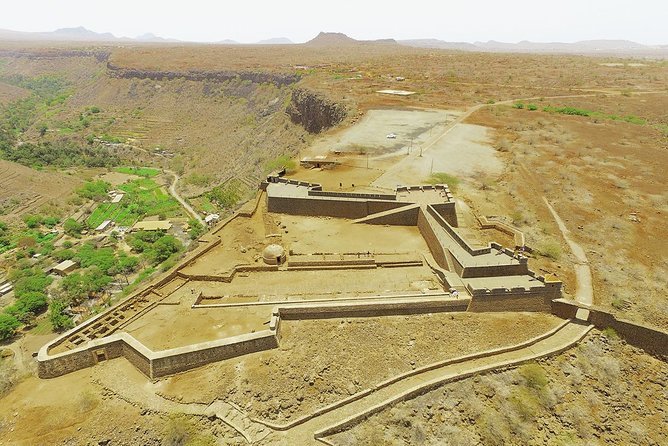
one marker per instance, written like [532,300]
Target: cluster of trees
[229,194]
[20,115]
[61,153]
[99,267]
[94,190]
[31,299]
[155,246]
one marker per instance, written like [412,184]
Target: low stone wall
[516,269]
[651,339]
[327,310]
[173,361]
[536,301]
[516,234]
[315,261]
[168,362]
[80,358]
[153,364]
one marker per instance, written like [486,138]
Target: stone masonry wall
[344,208]
[431,239]
[651,339]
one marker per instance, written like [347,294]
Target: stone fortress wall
[156,364]
[433,222]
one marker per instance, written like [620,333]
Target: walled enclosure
[456,259]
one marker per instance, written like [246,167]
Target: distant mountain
[78,34]
[227,42]
[340,39]
[150,37]
[440,44]
[331,39]
[587,47]
[276,41]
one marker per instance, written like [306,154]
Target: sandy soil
[369,135]
[611,196]
[117,178]
[23,189]
[170,326]
[463,151]
[76,410]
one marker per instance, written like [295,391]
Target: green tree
[164,247]
[95,190]
[72,227]
[58,315]
[8,326]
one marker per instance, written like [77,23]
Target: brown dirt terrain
[611,192]
[75,410]
[10,93]
[320,362]
[604,177]
[601,392]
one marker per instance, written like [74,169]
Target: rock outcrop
[314,112]
[278,79]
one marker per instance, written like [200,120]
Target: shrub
[532,107]
[551,250]
[518,105]
[32,221]
[610,333]
[534,376]
[196,229]
[281,162]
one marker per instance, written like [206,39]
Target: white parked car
[391,136]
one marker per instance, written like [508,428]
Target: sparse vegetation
[549,249]
[444,178]
[281,162]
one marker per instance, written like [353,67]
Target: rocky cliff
[314,112]
[278,79]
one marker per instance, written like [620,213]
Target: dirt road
[184,203]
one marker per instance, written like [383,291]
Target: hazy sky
[644,21]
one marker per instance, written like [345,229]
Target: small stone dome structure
[273,255]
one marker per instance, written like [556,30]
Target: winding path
[173,192]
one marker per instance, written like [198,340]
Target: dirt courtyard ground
[369,135]
[308,235]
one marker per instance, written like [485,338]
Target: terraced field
[23,189]
[142,197]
